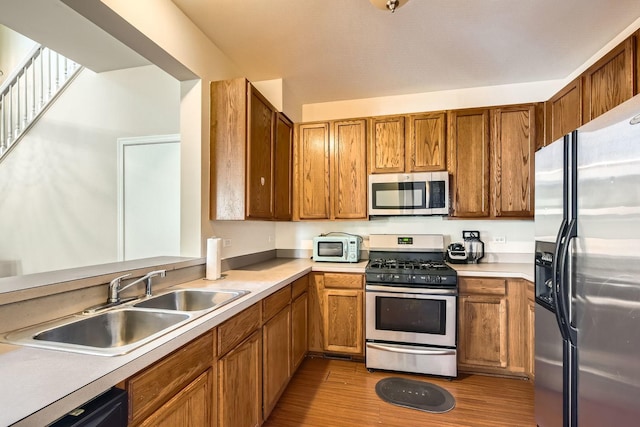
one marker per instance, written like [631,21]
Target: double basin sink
[127,326]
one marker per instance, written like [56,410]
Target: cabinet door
[228,149]
[512,154]
[276,339]
[563,112]
[240,384]
[349,170]
[315,336]
[343,332]
[151,388]
[609,82]
[299,326]
[259,156]
[483,330]
[283,167]
[191,407]
[386,144]
[531,331]
[469,162]
[313,173]
[426,143]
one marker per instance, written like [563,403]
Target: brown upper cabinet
[514,132]
[331,172]
[283,169]
[412,143]
[610,81]
[312,170]
[469,162]
[250,156]
[386,144]
[563,112]
[491,154]
[426,142]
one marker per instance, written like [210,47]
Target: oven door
[401,315]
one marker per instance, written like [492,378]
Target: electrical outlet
[226,243]
[270,238]
[499,239]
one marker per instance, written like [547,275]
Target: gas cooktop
[409,260]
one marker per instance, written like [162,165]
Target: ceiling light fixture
[391,5]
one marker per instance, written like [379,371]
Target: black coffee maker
[471,251]
[474,246]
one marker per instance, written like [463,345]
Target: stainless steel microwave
[336,248]
[422,193]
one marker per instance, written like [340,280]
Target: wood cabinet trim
[299,286]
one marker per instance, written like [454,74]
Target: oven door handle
[410,350]
[417,291]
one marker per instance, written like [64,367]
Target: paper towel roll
[214,250]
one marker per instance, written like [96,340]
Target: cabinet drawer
[234,330]
[152,387]
[299,287]
[343,281]
[483,285]
[275,302]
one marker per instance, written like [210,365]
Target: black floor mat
[413,394]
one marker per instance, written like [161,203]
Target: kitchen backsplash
[504,241]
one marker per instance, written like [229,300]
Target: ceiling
[347,49]
[337,50]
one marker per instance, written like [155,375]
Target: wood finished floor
[340,393]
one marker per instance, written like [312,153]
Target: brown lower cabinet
[231,376]
[189,407]
[494,331]
[336,313]
[240,384]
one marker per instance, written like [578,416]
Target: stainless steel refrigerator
[587,274]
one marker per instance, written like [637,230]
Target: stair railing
[29,90]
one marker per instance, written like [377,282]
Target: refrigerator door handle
[556,275]
[566,285]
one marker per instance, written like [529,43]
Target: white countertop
[39,386]
[512,270]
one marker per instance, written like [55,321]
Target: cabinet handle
[262,181]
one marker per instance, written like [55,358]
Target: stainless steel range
[411,305]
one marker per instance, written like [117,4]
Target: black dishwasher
[107,410]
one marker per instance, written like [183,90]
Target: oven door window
[330,249]
[426,316]
[399,195]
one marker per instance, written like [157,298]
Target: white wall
[58,187]
[519,245]
[14,48]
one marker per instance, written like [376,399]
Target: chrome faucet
[115,286]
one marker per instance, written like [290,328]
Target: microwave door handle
[411,351]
